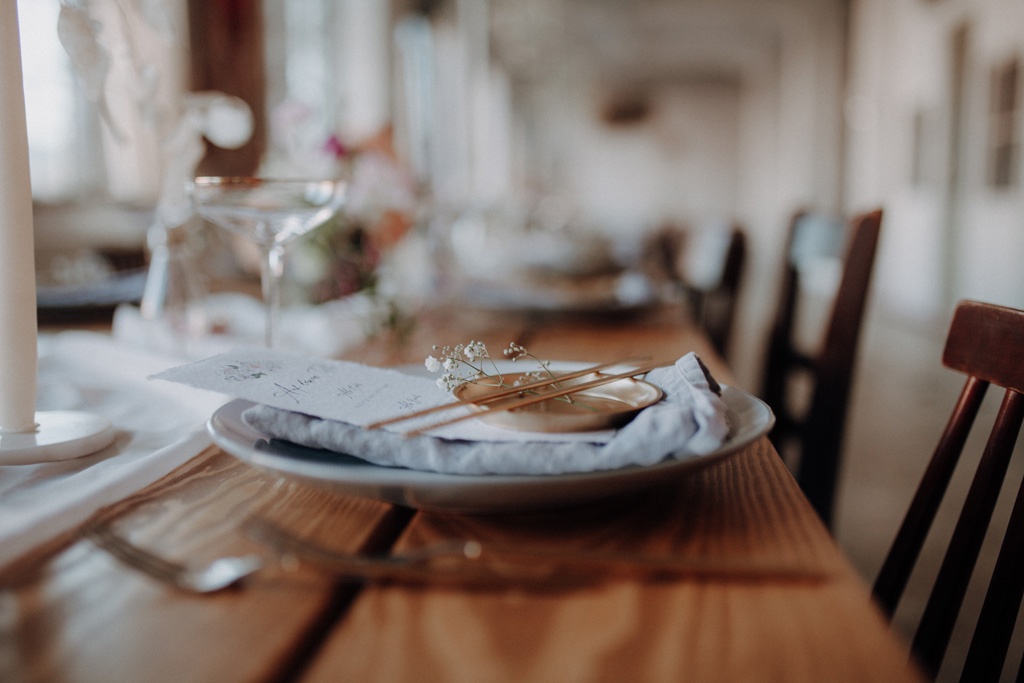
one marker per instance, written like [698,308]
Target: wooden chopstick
[530,400]
[503,393]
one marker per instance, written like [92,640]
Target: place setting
[536,255]
[487,436]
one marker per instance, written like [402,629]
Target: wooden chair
[986,343]
[817,430]
[710,271]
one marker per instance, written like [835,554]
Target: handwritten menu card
[345,391]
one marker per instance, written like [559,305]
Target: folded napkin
[689,421]
[225,321]
[158,426]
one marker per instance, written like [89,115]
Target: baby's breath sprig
[464,363]
[516,352]
[471,363]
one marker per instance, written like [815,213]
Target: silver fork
[219,574]
[229,571]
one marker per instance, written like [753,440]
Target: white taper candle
[18,330]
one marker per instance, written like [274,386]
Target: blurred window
[328,56]
[61,123]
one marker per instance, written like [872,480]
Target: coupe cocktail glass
[270,213]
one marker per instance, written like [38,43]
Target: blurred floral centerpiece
[343,257]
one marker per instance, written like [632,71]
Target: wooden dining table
[71,612]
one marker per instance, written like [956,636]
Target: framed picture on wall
[1004,98]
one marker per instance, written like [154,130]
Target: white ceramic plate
[486,494]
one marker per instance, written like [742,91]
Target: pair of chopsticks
[524,401]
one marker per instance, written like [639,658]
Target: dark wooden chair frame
[714,310]
[819,434]
[985,342]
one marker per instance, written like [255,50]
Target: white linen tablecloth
[158,426]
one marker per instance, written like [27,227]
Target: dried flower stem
[467,363]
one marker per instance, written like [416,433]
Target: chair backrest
[818,433]
[711,271]
[986,343]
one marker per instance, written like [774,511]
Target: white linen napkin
[690,420]
[225,321]
[159,426]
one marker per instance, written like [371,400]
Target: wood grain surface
[443,326]
[746,507]
[663,335]
[81,616]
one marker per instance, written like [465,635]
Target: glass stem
[272,268]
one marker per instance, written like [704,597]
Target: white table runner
[159,426]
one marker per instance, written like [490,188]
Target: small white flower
[448,382]
[449,364]
[475,349]
[433,365]
[515,351]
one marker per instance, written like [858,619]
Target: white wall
[679,166]
[750,129]
[932,253]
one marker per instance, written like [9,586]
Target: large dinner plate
[749,418]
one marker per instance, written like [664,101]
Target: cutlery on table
[507,392]
[464,563]
[219,574]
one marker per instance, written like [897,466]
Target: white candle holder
[26,437]
[58,435]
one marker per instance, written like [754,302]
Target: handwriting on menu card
[336,390]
